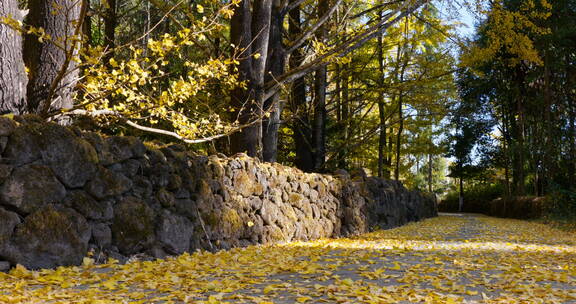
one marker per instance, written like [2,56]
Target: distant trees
[257,31]
[318,84]
[363,117]
[525,82]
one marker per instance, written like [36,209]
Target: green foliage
[477,198]
[563,202]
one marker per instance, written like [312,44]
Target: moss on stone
[275,234]
[231,217]
[211,219]
[133,227]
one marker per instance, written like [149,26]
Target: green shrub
[563,203]
[477,198]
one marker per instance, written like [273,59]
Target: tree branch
[340,50]
[314,28]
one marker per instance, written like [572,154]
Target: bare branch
[287,7]
[314,28]
[340,50]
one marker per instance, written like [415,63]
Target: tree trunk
[430,186]
[519,149]
[345,113]
[110,22]
[383,171]
[87,25]
[399,137]
[300,125]
[13,77]
[506,137]
[275,68]
[52,72]
[548,138]
[320,82]
[250,30]
[572,128]
[461,196]
[319,136]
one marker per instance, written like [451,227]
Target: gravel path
[456,258]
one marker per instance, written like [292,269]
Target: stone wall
[64,192]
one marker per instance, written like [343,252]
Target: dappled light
[446,259]
[287,151]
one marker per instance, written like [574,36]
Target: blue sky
[456,11]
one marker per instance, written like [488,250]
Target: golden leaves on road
[449,259]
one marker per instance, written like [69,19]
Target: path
[449,259]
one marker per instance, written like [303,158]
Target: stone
[5,171]
[269,212]
[50,237]
[108,183]
[133,226]
[142,187]
[316,214]
[174,232]
[131,167]
[156,156]
[186,207]
[23,146]
[306,207]
[8,221]
[30,187]
[272,234]
[143,201]
[125,147]
[7,126]
[166,199]
[103,151]
[101,235]
[341,173]
[160,175]
[4,266]
[72,159]
[230,224]
[174,182]
[3,143]
[255,203]
[244,184]
[157,252]
[182,193]
[89,207]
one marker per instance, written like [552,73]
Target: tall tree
[13,77]
[52,70]
[320,84]
[250,31]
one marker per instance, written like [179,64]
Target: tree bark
[519,159]
[110,22]
[461,196]
[345,113]
[300,125]
[399,137]
[320,82]
[52,72]
[275,67]
[13,77]
[383,172]
[430,169]
[87,25]
[250,30]
[572,121]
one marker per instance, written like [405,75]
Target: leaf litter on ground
[448,259]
